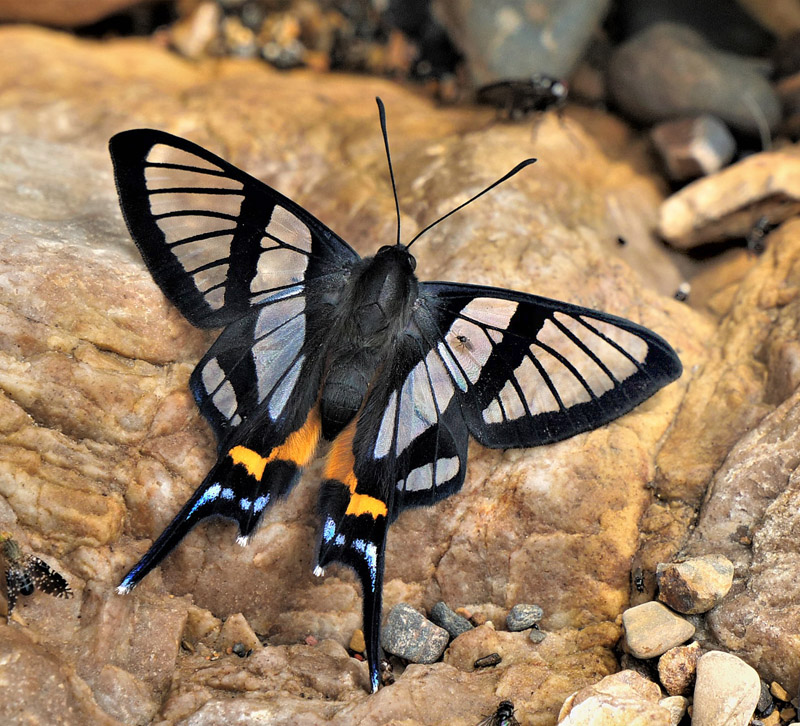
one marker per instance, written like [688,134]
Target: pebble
[652,629]
[523,617]
[537,636]
[237,631]
[695,585]
[676,705]
[726,692]
[669,70]
[693,147]
[412,636]
[451,621]
[677,668]
[357,643]
[508,39]
[777,690]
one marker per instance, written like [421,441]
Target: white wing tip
[124,589]
[318,571]
[242,541]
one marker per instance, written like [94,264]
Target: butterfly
[25,573]
[319,344]
[503,716]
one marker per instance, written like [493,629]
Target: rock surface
[677,668]
[728,204]
[102,443]
[412,637]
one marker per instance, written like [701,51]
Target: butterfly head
[398,254]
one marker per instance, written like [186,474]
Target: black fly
[503,716]
[521,97]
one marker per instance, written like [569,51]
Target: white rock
[726,691]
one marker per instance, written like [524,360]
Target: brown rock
[781,17]
[102,444]
[693,147]
[728,204]
[676,705]
[66,13]
[695,585]
[677,667]
[235,630]
[622,698]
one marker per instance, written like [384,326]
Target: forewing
[47,579]
[529,370]
[408,447]
[216,240]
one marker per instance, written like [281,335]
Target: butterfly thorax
[375,308]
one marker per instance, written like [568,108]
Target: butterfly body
[320,344]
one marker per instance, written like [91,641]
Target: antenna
[518,168]
[382,114]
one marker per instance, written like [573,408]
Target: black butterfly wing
[529,370]
[216,240]
[408,447]
[229,250]
[47,579]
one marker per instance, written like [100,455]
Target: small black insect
[387,672]
[25,573]
[755,237]
[521,97]
[503,716]
[487,661]
[682,293]
[638,579]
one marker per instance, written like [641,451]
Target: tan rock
[67,13]
[652,629]
[695,585]
[236,630]
[103,444]
[728,204]
[676,705]
[622,699]
[726,692]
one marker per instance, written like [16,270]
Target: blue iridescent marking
[339,540]
[209,495]
[245,503]
[261,503]
[329,529]
[227,493]
[370,553]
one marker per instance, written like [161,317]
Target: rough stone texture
[622,699]
[728,204]
[677,667]
[726,692]
[669,70]
[101,443]
[411,636]
[511,40]
[695,585]
[652,629]
[676,705]
[235,630]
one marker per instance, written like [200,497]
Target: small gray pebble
[523,617]
[452,622]
[412,636]
[537,636]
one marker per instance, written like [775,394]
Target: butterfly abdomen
[374,309]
